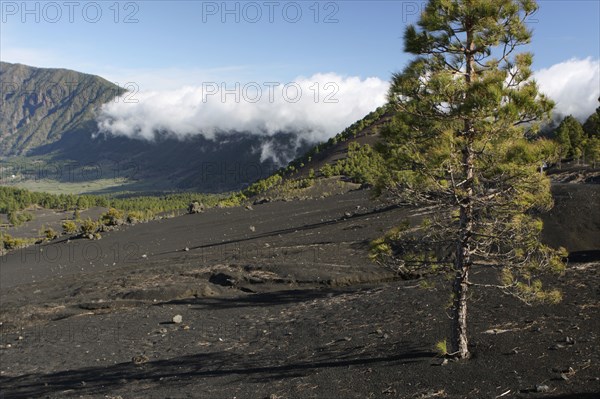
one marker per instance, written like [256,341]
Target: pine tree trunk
[460,288]
[459,340]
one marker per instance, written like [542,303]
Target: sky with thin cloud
[338,55]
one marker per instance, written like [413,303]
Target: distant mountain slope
[40,105]
[47,118]
[364,131]
[229,162]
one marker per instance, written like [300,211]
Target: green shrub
[327,170]
[136,217]
[363,165]
[88,227]
[50,233]
[441,347]
[305,183]
[69,227]
[17,219]
[13,218]
[232,201]
[113,217]
[262,185]
[9,242]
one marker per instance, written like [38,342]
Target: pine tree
[591,127]
[462,140]
[592,150]
[570,136]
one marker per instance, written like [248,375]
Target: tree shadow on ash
[290,230]
[260,300]
[240,368]
[584,256]
[588,395]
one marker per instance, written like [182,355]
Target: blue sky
[171,48]
[354,38]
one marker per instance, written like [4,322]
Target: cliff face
[38,105]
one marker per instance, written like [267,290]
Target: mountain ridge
[48,115]
[40,105]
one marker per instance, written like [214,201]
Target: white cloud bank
[574,85]
[316,107]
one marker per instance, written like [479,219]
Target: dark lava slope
[281,301]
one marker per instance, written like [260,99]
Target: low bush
[9,242]
[88,227]
[50,233]
[113,217]
[69,227]
[18,218]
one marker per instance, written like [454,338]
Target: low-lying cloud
[316,107]
[574,85]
